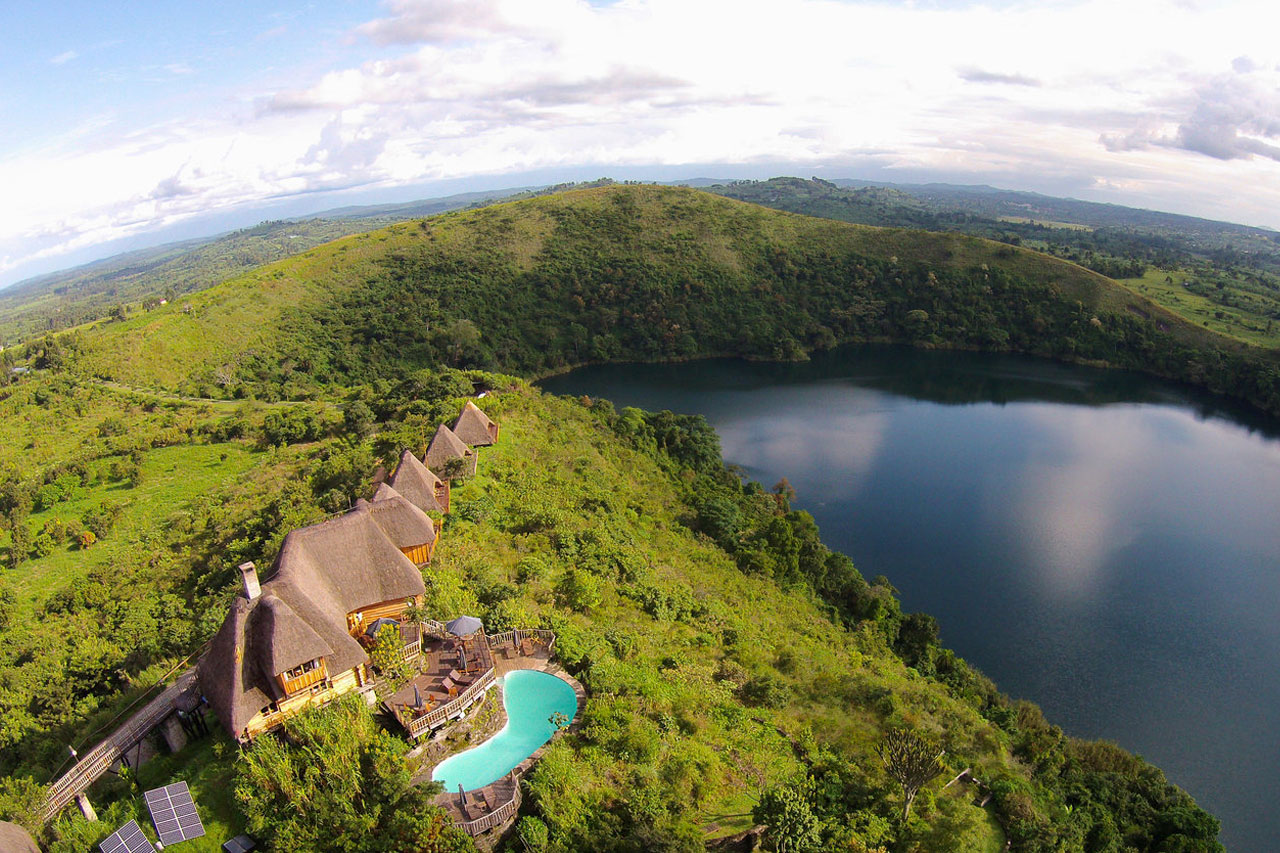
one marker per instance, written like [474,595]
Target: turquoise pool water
[530,698]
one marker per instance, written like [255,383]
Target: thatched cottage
[474,427]
[295,640]
[444,449]
[416,482]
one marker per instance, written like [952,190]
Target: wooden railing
[516,636]
[97,761]
[428,721]
[497,817]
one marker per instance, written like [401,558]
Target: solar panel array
[174,813]
[127,839]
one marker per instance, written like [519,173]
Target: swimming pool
[530,697]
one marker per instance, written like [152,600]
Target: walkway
[96,762]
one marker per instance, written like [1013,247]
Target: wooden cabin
[293,641]
[445,447]
[474,427]
[419,486]
[411,529]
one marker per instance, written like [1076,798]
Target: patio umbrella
[462,794]
[378,625]
[417,698]
[462,659]
[464,626]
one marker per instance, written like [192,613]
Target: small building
[295,640]
[445,447]
[474,427]
[415,481]
[408,527]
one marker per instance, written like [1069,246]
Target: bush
[579,590]
[387,655]
[765,691]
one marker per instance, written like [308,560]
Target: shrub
[765,691]
[579,590]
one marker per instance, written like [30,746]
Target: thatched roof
[416,482]
[405,524]
[285,639]
[474,427]
[323,572]
[445,446]
[15,839]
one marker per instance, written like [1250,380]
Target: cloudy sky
[127,123]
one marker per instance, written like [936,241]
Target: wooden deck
[454,675]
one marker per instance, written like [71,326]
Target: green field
[172,479]
[1168,288]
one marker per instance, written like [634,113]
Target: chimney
[250,577]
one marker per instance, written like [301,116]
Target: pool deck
[496,804]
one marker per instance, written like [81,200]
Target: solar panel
[239,844]
[127,839]
[174,813]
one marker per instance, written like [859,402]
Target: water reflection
[1094,540]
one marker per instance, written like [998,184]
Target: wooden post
[86,807]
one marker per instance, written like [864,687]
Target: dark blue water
[1102,543]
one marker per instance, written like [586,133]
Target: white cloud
[1128,104]
[63,58]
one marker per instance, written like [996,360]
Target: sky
[125,124]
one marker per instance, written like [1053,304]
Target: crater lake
[1100,542]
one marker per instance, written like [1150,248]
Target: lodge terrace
[301,638]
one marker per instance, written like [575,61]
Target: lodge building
[301,638]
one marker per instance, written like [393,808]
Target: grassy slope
[559,472]
[673,227]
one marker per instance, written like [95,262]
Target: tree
[337,782]
[579,590]
[460,338]
[358,419]
[785,494]
[22,801]
[792,825]
[911,761]
[387,655]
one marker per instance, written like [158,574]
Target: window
[299,671]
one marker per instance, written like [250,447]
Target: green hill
[734,665]
[1217,275]
[645,273]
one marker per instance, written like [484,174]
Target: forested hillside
[639,272]
[1219,275]
[139,280]
[738,671]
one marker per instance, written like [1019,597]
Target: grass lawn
[172,477]
[1167,288]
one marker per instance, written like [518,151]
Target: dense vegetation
[737,669]
[137,281]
